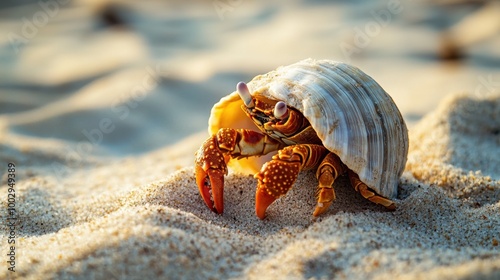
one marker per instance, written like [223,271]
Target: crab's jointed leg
[278,175]
[216,151]
[328,171]
[368,193]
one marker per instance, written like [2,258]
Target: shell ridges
[351,113]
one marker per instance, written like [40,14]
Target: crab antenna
[280,110]
[245,95]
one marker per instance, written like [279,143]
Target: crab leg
[328,171]
[216,151]
[278,175]
[368,193]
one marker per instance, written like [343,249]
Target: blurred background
[129,77]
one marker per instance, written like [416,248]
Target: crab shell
[351,113]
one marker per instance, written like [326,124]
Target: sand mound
[457,148]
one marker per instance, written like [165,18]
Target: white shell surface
[351,113]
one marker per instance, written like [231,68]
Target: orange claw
[262,201]
[210,170]
[275,179]
[211,181]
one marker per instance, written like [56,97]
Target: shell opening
[245,95]
[280,110]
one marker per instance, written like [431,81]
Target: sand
[103,139]
[119,220]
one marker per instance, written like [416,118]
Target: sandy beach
[104,103]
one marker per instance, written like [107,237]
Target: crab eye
[245,95]
[280,110]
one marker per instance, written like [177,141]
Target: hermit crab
[314,114]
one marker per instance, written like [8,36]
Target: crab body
[312,114]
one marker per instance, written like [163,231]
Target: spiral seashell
[351,113]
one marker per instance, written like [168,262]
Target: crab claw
[262,200]
[275,179]
[210,170]
[211,186]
